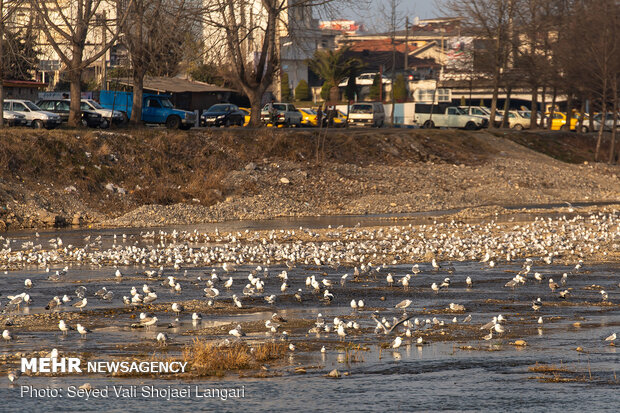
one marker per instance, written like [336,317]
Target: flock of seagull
[371,253]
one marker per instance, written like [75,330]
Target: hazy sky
[370,16]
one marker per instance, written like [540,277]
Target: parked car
[482,112]
[609,122]
[246,115]
[365,79]
[62,107]
[516,120]
[340,121]
[444,116]
[367,114]
[309,117]
[118,117]
[34,115]
[285,114]
[13,118]
[559,121]
[528,115]
[157,109]
[222,114]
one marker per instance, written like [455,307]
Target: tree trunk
[534,112]
[334,95]
[590,115]
[582,111]
[255,97]
[612,148]
[75,112]
[494,100]
[553,102]
[1,63]
[505,122]
[543,102]
[1,101]
[138,91]
[138,62]
[569,110]
[602,125]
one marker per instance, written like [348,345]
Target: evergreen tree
[375,89]
[351,88]
[399,91]
[285,88]
[302,91]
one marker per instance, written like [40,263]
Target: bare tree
[601,53]
[393,20]
[7,10]
[535,19]
[243,38]
[67,30]
[153,46]
[490,20]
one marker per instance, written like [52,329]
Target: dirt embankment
[157,177]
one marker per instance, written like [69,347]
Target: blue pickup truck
[155,109]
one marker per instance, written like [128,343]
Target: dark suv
[61,107]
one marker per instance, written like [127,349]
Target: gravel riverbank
[105,180]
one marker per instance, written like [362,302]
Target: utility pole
[406,43]
[104,66]
[381,84]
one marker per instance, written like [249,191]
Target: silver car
[34,116]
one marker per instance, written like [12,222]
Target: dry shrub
[269,351]
[547,368]
[208,358]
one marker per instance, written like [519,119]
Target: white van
[35,117]
[367,114]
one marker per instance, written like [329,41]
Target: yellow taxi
[247,116]
[559,120]
[341,120]
[308,117]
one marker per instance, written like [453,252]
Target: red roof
[379,45]
[24,83]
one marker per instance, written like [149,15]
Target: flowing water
[462,372]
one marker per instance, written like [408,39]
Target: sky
[424,9]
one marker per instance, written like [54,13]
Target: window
[361,109]
[428,95]
[425,95]
[62,106]
[32,106]
[94,104]
[152,103]
[219,108]
[46,105]
[19,107]
[6,106]
[84,106]
[444,95]
[452,111]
